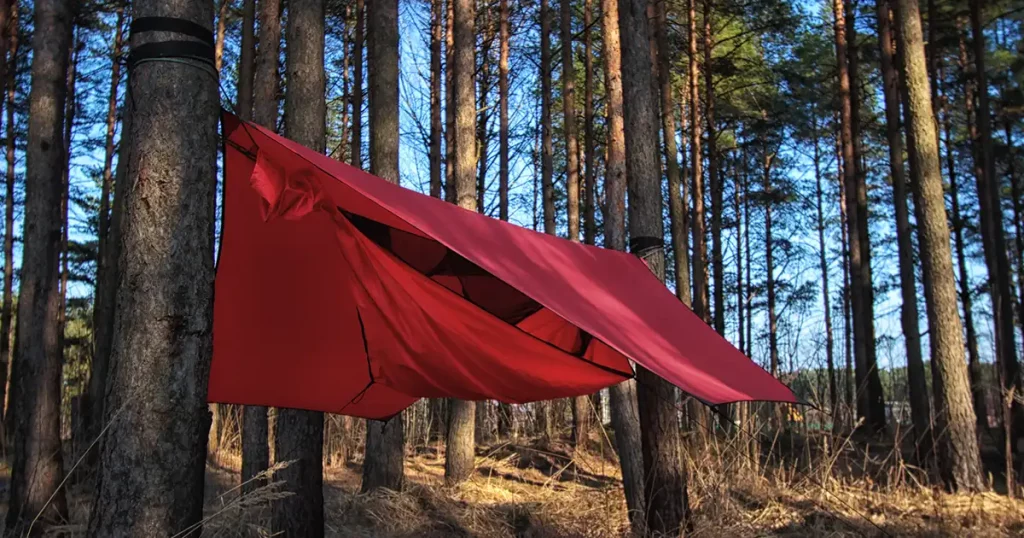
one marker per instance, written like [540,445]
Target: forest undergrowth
[536,489]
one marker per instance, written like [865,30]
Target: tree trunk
[246,60]
[461,413]
[992,229]
[8,294]
[773,334]
[715,181]
[103,307]
[436,23]
[503,97]
[482,124]
[920,411]
[833,394]
[580,404]
[255,428]
[151,479]
[740,193]
[357,86]
[1018,214]
[676,176]
[666,495]
[37,469]
[449,133]
[959,461]
[589,172]
[299,434]
[547,151]
[697,227]
[385,442]
[624,414]
[70,107]
[973,358]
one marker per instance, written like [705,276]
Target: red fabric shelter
[338,291]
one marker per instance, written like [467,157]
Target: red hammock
[338,291]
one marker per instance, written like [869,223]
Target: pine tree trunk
[299,434]
[482,125]
[920,411]
[676,175]
[246,60]
[833,394]
[436,24]
[449,110]
[959,461]
[696,158]
[461,413]
[8,292]
[103,307]
[151,479]
[589,172]
[714,179]
[993,229]
[37,469]
[255,428]
[503,127]
[580,404]
[547,151]
[773,322]
[666,495]
[623,403]
[356,154]
[385,442]
[70,107]
[738,193]
[874,399]
[1018,215]
[966,300]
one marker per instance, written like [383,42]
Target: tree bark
[436,23]
[449,133]
[153,456]
[246,60]
[773,322]
[624,414]
[920,411]
[992,229]
[714,179]
[37,469]
[356,154]
[103,307]
[697,226]
[676,176]
[461,413]
[299,434]
[589,172]
[218,47]
[385,442]
[547,151]
[503,96]
[580,404]
[255,428]
[833,394]
[959,460]
[10,82]
[667,503]
[482,125]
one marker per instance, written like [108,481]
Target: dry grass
[546,491]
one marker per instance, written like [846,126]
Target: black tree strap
[643,245]
[200,51]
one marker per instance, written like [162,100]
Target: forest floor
[539,490]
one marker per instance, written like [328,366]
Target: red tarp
[338,291]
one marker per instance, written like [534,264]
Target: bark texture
[385,442]
[37,468]
[299,434]
[255,428]
[666,495]
[920,411]
[959,461]
[458,462]
[153,455]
